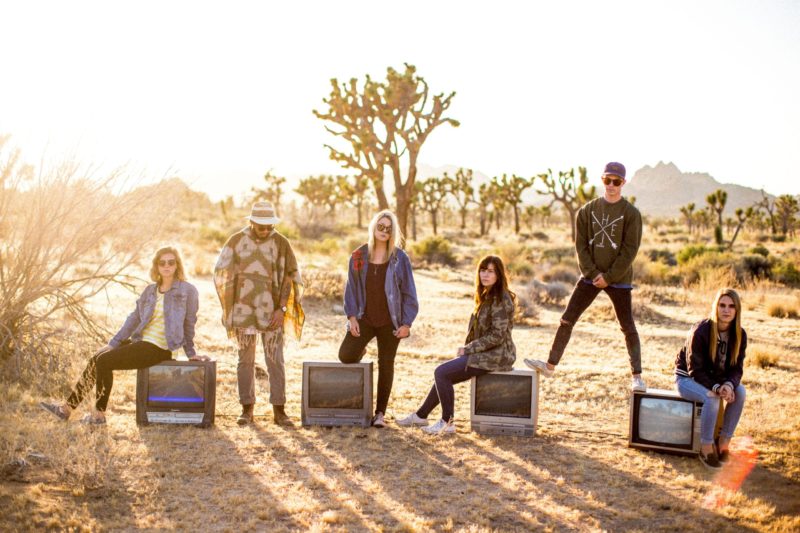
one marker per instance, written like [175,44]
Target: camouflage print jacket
[489,344]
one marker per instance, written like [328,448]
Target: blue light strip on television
[174,399]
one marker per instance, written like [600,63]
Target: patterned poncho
[248,277]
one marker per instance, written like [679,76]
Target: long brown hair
[179,273]
[737,324]
[499,288]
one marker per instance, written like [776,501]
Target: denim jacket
[401,293]
[180,316]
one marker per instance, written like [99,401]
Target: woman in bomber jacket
[380,300]
[710,367]
[488,347]
[162,322]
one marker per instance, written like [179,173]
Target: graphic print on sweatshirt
[603,229]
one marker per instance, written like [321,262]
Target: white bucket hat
[263,213]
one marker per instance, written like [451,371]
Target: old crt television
[663,421]
[177,392]
[337,394]
[505,403]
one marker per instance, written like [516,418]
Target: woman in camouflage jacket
[488,347]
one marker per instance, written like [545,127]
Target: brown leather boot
[280,417]
[247,415]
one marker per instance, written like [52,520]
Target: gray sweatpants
[272,342]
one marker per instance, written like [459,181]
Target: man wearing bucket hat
[259,287]
[609,231]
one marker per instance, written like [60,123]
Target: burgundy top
[376,313]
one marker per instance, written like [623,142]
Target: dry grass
[575,474]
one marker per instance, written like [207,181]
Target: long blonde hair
[737,324]
[395,238]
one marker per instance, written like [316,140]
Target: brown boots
[247,415]
[279,416]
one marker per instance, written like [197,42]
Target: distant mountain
[663,189]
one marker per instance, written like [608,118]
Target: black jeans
[444,377]
[582,296]
[352,349]
[99,370]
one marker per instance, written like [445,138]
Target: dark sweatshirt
[607,240]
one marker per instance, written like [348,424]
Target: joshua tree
[460,187]
[485,198]
[566,191]
[511,190]
[385,123]
[353,191]
[688,213]
[433,192]
[768,205]
[272,191]
[786,209]
[320,192]
[742,215]
[716,204]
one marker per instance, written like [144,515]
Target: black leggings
[352,349]
[99,370]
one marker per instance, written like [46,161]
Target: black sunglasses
[615,181]
[167,262]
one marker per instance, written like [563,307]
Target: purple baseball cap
[615,169]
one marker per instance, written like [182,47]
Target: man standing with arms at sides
[609,231]
[259,286]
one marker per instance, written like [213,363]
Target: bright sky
[218,93]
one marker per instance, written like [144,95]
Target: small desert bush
[213,236]
[434,250]
[786,272]
[761,357]
[687,253]
[782,309]
[759,249]
[559,255]
[517,258]
[754,266]
[538,292]
[323,284]
[662,256]
[562,273]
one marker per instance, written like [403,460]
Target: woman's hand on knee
[355,331]
[104,349]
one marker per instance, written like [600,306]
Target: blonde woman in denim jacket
[163,321]
[380,300]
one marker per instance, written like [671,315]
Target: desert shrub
[540,236]
[687,253]
[517,258]
[654,272]
[759,249]
[49,271]
[313,228]
[288,231]
[214,236]
[754,266]
[329,246]
[558,255]
[434,250]
[561,272]
[781,310]
[662,256]
[323,284]
[538,292]
[779,238]
[785,272]
[761,358]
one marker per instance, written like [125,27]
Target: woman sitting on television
[710,367]
[380,300]
[488,347]
[162,322]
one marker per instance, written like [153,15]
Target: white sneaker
[540,366]
[377,421]
[440,427]
[638,384]
[412,420]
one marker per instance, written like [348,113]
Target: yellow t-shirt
[155,331]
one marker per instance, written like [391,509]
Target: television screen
[666,421]
[335,387]
[505,395]
[176,386]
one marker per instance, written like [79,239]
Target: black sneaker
[710,461]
